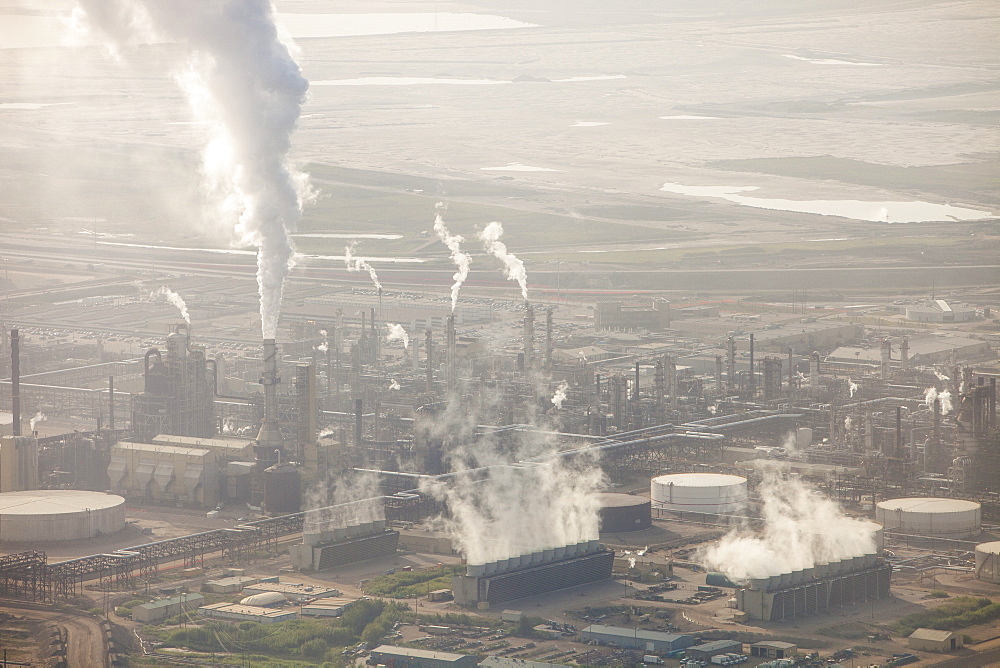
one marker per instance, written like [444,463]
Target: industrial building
[641,639]
[333,606]
[706,651]
[295,592]
[323,550]
[404,657]
[234,612]
[773,649]
[164,608]
[165,474]
[933,640]
[43,516]
[713,493]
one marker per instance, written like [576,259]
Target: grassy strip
[959,613]
[412,584]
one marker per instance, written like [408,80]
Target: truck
[651,658]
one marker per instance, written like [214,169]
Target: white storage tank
[59,514]
[936,517]
[988,562]
[699,492]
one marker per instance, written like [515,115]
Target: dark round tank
[624,512]
[282,490]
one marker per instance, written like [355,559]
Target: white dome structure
[715,493]
[48,515]
[265,599]
[930,516]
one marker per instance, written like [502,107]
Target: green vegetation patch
[958,613]
[412,584]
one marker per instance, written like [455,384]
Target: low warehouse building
[932,640]
[773,649]
[403,657]
[164,608]
[231,585]
[293,591]
[326,607]
[708,650]
[233,612]
[647,641]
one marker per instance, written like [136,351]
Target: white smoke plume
[394,385]
[940,376]
[789,442]
[944,397]
[852,387]
[335,503]
[359,263]
[513,267]
[241,79]
[713,409]
[323,347]
[327,433]
[800,528]
[454,244]
[848,423]
[38,417]
[582,356]
[397,333]
[631,562]
[560,396]
[174,299]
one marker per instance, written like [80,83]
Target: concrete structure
[939,349]
[18,463]
[233,612]
[773,649]
[165,474]
[403,657]
[535,573]
[323,550]
[706,651]
[230,585]
[47,515]
[225,448]
[815,590]
[653,315]
[326,607]
[932,640]
[805,337]
[939,310]
[641,639]
[164,608]
[511,662]
[936,517]
[988,562]
[624,512]
[715,493]
[292,591]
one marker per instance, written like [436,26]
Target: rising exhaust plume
[513,267]
[453,243]
[944,397]
[241,79]
[174,299]
[38,417]
[359,263]
[397,333]
[852,387]
[800,529]
[323,347]
[394,385]
[560,396]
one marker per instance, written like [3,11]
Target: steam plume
[242,79]
[348,501]
[944,397]
[513,267]
[847,423]
[38,417]
[397,333]
[852,386]
[461,260]
[560,396]
[174,299]
[801,528]
[941,376]
[394,385]
[323,347]
[358,263]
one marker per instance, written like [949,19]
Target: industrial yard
[310,357]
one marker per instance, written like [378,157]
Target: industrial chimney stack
[269,438]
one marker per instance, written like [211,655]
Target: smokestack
[814,370]
[269,438]
[791,371]
[376,342]
[672,381]
[886,356]
[718,375]
[899,431]
[904,353]
[548,339]
[15,380]
[357,422]
[753,371]
[111,403]
[430,360]
[529,337]
[635,390]
[451,351]
[731,363]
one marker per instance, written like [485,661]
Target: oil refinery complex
[672,451]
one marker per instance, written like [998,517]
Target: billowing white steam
[323,347]
[941,376]
[453,243]
[800,529]
[348,501]
[394,385]
[38,417]
[848,423]
[242,80]
[513,267]
[174,299]
[713,409]
[397,333]
[852,387]
[944,397]
[359,263]
[560,396]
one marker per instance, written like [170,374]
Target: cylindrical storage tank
[46,515]
[715,493]
[282,490]
[624,512]
[803,437]
[822,569]
[988,562]
[935,517]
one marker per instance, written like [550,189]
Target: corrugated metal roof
[931,634]
[622,632]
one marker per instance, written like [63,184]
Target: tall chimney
[548,339]
[791,371]
[718,375]
[451,351]
[731,363]
[529,337]
[753,371]
[269,438]
[111,403]
[635,390]
[429,345]
[357,422]
[904,354]
[15,380]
